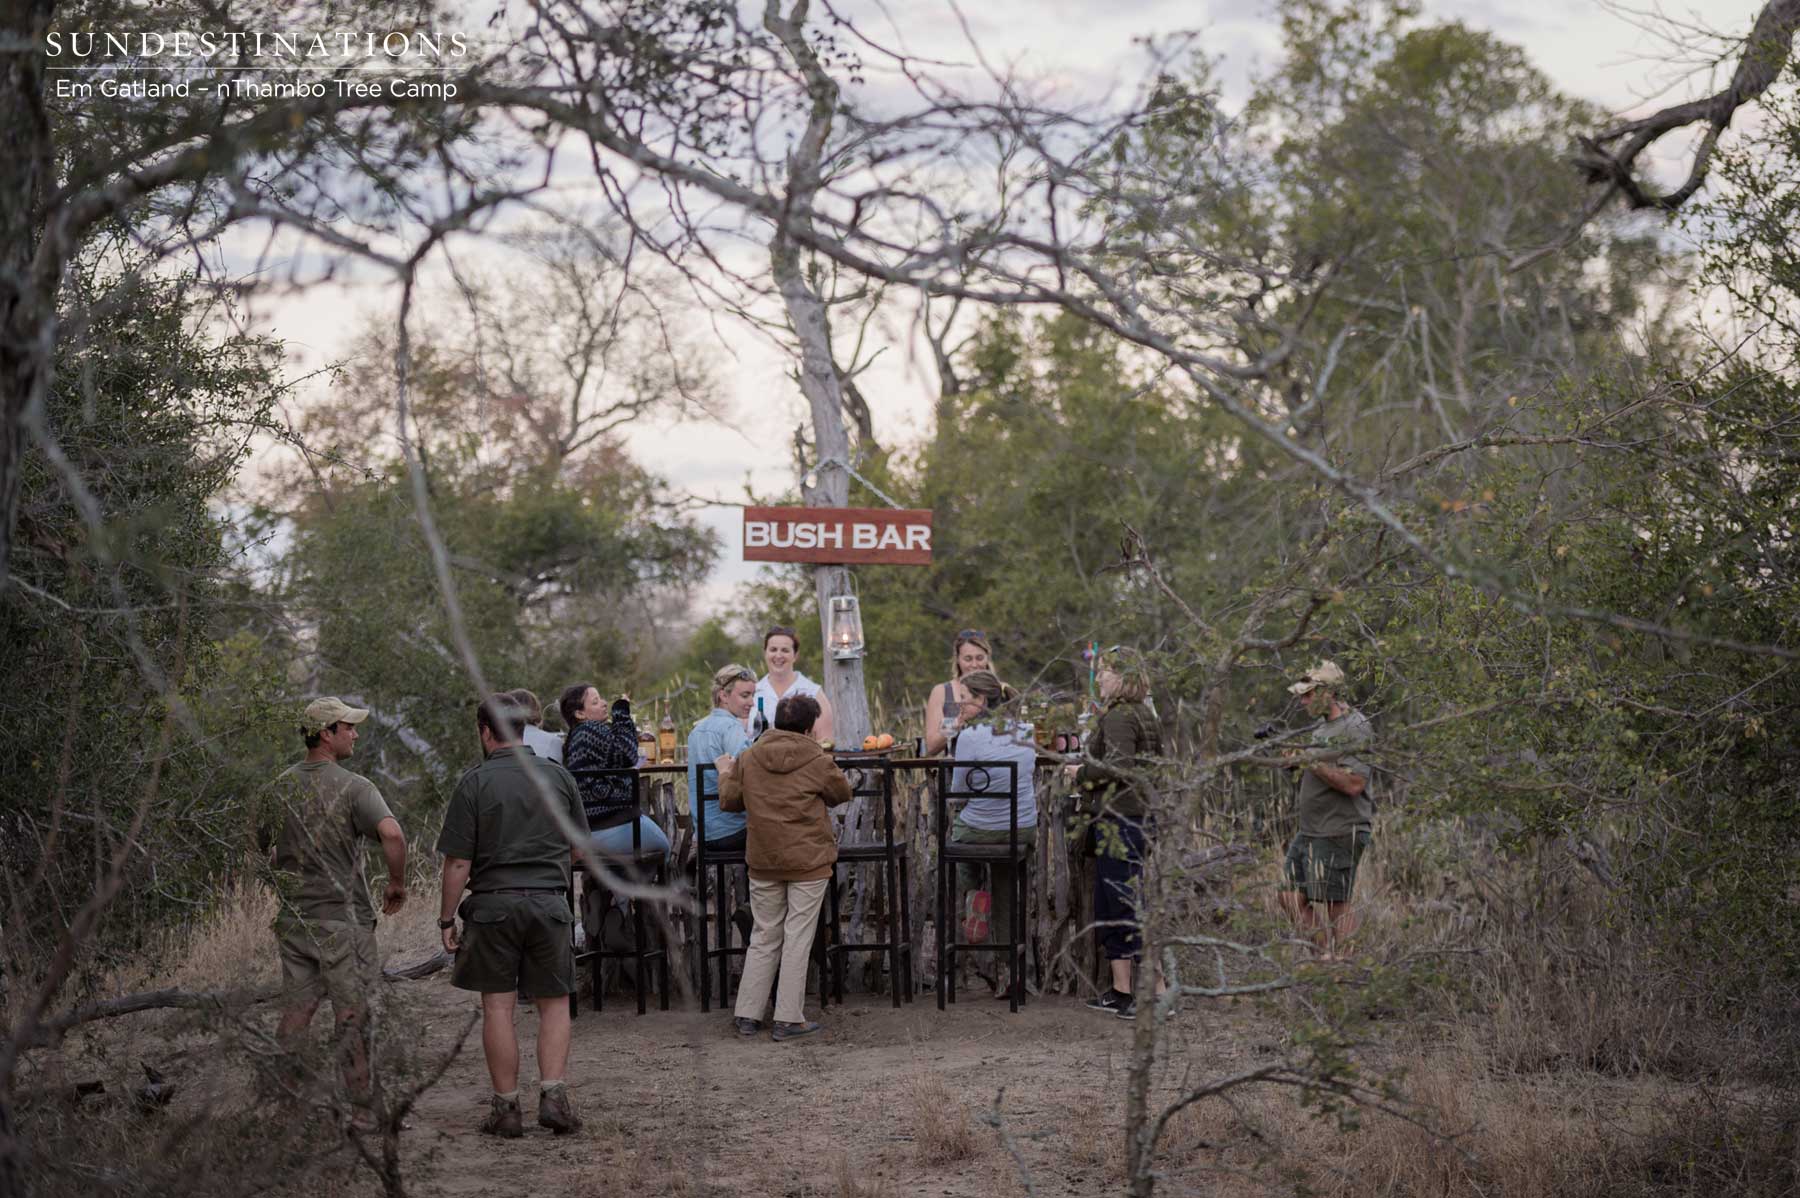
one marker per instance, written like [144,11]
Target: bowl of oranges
[872,745]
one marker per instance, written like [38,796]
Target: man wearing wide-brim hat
[1336,813]
[317,815]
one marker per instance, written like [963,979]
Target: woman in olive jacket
[1126,743]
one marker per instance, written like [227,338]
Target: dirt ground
[881,1102]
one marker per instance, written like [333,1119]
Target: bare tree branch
[1766,52]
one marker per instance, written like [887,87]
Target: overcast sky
[1609,54]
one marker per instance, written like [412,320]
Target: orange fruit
[886,741]
[869,742]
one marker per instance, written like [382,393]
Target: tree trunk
[819,380]
[27,317]
[824,391]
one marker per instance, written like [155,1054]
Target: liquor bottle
[759,723]
[665,738]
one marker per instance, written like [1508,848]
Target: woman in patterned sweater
[599,741]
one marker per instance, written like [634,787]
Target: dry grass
[850,1184]
[231,946]
[216,1135]
[1480,1134]
[1476,1136]
[1546,1045]
[943,1131]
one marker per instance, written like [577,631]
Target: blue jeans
[616,842]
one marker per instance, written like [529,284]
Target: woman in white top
[780,647]
[969,652]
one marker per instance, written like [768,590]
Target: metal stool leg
[906,946]
[701,901]
[892,929]
[1015,951]
[954,928]
[831,960]
[638,943]
[599,959]
[596,975]
[719,896]
[941,953]
[663,930]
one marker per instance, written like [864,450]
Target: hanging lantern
[846,631]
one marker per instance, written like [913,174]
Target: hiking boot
[1108,1000]
[793,1031]
[556,1111]
[503,1119]
[747,1027]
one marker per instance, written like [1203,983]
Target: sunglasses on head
[970,634]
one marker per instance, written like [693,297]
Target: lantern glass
[846,631]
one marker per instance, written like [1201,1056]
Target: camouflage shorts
[331,957]
[1324,867]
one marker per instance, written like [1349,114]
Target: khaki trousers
[786,914]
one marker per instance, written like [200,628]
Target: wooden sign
[846,535]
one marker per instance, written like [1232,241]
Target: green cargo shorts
[516,942]
[328,956]
[1323,868]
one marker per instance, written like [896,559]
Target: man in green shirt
[504,840]
[1337,814]
[312,827]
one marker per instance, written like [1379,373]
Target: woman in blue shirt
[721,734]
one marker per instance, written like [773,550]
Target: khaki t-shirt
[320,812]
[496,821]
[1325,811]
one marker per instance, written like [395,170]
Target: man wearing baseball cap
[317,815]
[1337,813]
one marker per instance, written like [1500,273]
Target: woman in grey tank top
[968,653]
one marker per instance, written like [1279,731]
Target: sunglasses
[970,634]
[741,674]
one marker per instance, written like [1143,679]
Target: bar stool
[641,864]
[980,783]
[719,860]
[875,779]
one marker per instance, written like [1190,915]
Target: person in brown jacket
[784,783]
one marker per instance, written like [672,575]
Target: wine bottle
[759,723]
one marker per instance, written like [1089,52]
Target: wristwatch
[444,925]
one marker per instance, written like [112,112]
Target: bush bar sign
[838,535]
